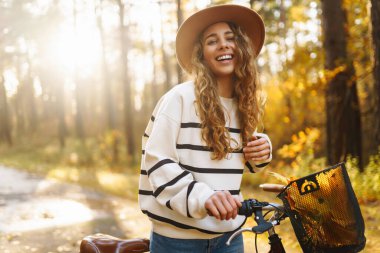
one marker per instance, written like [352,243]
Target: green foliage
[367,183]
[109,147]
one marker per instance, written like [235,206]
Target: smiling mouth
[224,57]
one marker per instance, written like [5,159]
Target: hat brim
[248,20]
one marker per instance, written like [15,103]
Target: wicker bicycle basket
[324,212]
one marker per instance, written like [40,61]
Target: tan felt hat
[248,20]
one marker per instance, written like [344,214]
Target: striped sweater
[178,174]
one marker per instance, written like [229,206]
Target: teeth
[224,57]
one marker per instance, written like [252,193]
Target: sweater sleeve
[259,166]
[172,185]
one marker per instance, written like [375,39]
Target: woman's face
[218,49]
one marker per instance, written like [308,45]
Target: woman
[202,135]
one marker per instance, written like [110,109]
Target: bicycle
[101,243]
[322,208]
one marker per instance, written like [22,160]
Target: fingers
[234,208]
[255,142]
[257,150]
[222,205]
[257,156]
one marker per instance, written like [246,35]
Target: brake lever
[262,224]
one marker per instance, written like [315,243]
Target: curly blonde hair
[213,122]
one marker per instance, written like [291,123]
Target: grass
[74,164]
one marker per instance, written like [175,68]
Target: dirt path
[46,216]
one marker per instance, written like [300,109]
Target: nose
[223,44]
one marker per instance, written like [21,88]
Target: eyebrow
[214,34]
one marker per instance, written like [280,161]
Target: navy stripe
[184,226]
[143,172]
[234,192]
[261,165]
[234,130]
[249,166]
[172,182]
[168,205]
[150,193]
[191,125]
[159,164]
[144,192]
[211,170]
[177,224]
[189,189]
[201,148]
[198,125]
[193,147]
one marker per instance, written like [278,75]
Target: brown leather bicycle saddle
[101,243]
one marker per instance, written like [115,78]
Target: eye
[210,42]
[231,38]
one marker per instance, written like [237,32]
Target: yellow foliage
[327,75]
[301,142]
[294,138]
[297,13]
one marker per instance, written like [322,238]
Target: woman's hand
[257,149]
[222,205]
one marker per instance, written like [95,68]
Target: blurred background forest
[79,80]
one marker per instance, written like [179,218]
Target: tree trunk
[165,58]
[342,107]
[29,103]
[18,102]
[60,110]
[179,22]
[154,85]
[128,99]
[375,16]
[78,87]
[5,131]
[107,87]
[111,122]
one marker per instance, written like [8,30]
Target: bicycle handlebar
[249,206]
[253,206]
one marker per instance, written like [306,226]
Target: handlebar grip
[246,208]
[272,187]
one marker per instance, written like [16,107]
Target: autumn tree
[106,82]
[375,17]
[128,100]
[5,131]
[342,104]
[179,22]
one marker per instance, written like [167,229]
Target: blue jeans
[163,244]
